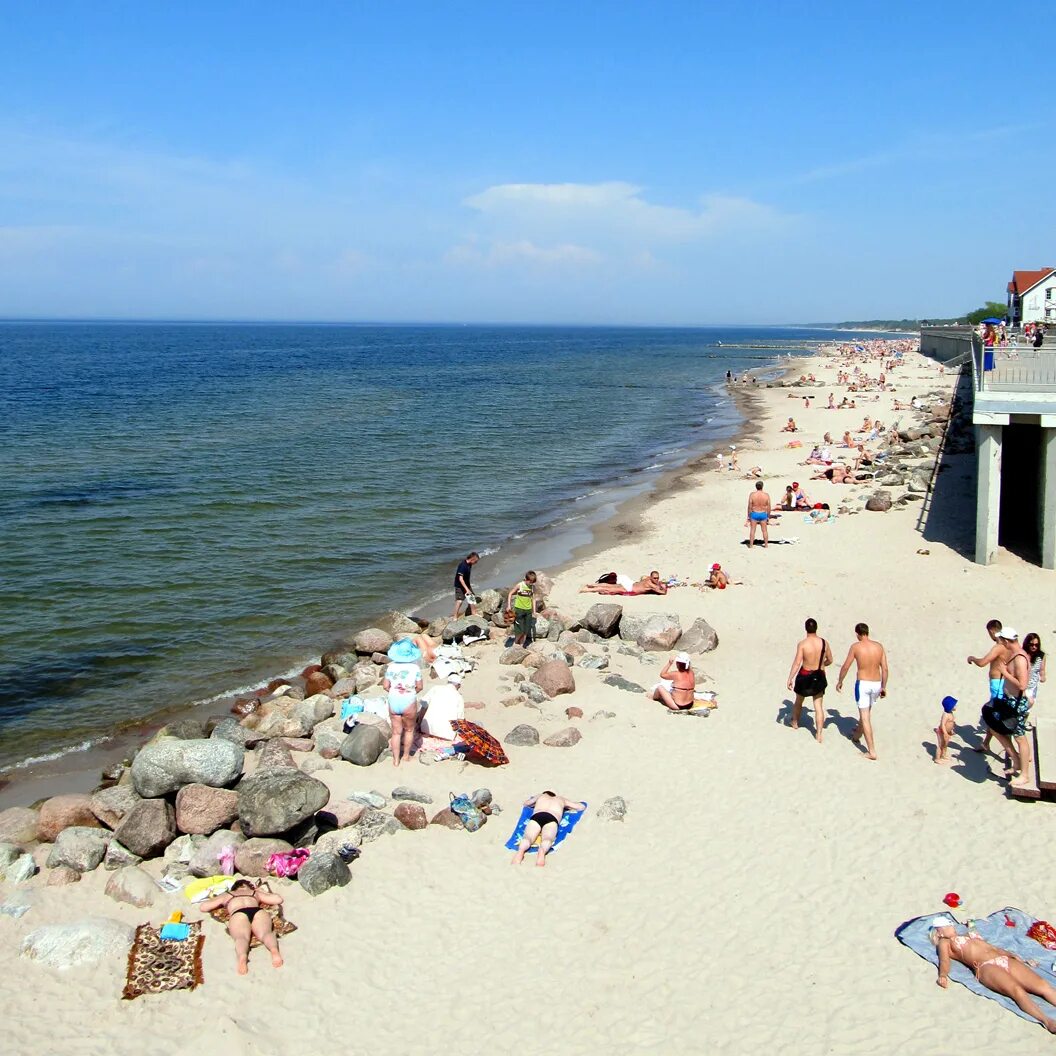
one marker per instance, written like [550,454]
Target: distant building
[1032,296]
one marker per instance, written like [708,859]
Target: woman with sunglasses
[1032,647]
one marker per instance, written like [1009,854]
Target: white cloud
[471,253]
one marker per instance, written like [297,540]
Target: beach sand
[748,900]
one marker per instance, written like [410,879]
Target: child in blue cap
[945,730]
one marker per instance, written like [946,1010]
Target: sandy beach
[748,900]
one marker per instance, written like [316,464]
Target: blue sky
[668,163]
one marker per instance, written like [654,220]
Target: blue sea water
[188,509]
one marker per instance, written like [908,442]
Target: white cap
[454,679]
[683,658]
[1008,633]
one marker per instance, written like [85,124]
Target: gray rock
[700,638]
[365,676]
[230,729]
[375,823]
[363,745]
[632,650]
[631,626]
[603,619]
[660,632]
[329,736]
[185,729]
[481,797]
[148,828]
[79,848]
[542,627]
[118,856]
[491,602]
[62,876]
[314,709]
[593,663]
[274,756]
[182,849]
[613,809]
[619,682]
[322,871]
[522,736]
[405,793]
[8,853]
[169,764]
[345,658]
[514,654]
[368,799]
[206,859]
[85,942]
[534,693]
[400,623]
[603,715]
[336,673]
[132,885]
[110,805]
[251,857]
[918,485]
[19,869]
[478,625]
[313,764]
[565,738]
[277,800]
[337,840]
[372,640]
[879,502]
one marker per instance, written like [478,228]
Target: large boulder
[169,764]
[110,805]
[660,632]
[205,861]
[118,856]
[879,501]
[515,654]
[631,626]
[700,638]
[148,828]
[64,812]
[85,942]
[554,678]
[276,800]
[322,871]
[491,602]
[79,848]
[473,625]
[603,619]
[411,815]
[19,825]
[363,745]
[274,756]
[132,885]
[317,682]
[375,823]
[338,840]
[202,809]
[372,640]
[251,857]
[315,708]
[340,813]
[230,729]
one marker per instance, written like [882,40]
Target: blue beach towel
[567,824]
[914,934]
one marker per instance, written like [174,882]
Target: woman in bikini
[997,969]
[543,824]
[246,918]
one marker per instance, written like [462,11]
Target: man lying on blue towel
[543,825]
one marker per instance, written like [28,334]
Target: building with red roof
[1032,296]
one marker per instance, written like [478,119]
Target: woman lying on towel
[997,969]
[247,918]
[622,585]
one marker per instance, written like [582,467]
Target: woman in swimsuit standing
[247,918]
[997,969]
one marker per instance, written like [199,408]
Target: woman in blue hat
[403,683]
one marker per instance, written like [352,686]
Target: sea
[187,510]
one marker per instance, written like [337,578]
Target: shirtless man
[676,685]
[870,683]
[549,810]
[1015,675]
[759,510]
[994,661]
[807,676]
[650,584]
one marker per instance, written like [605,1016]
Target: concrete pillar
[1047,497]
[988,493]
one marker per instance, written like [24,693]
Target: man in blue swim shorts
[758,514]
[994,661]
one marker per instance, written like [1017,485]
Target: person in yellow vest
[521,599]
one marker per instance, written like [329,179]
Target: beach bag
[288,863]
[468,814]
[1001,715]
[609,577]
[1042,931]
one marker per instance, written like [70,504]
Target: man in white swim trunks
[870,683]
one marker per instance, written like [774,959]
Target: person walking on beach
[522,601]
[870,683]
[463,590]
[759,510]
[993,661]
[543,824]
[806,678]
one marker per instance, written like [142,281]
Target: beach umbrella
[992,321]
[479,742]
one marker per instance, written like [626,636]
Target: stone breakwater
[202,797]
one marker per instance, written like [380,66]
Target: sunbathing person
[649,584]
[549,810]
[247,918]
[847,440]
[677,685]
[838,474]
[790,427]
[997,969]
